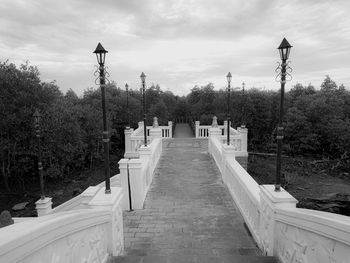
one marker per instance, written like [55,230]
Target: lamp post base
[43,206]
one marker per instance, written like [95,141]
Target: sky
[180,43]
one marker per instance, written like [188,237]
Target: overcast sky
[178,44]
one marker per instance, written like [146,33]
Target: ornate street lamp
[229,77]
[37,118]
[243,107]
[143,79]
[127,103]
[284,50]
[101,56]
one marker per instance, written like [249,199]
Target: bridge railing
[138,173]
[279,228]
[82,200]
[135,138]
[88,227]
[238,138]
[79,235]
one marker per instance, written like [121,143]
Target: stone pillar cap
[215,122]
[155,122]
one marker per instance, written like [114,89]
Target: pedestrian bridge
[182,198]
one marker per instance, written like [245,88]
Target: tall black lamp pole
[141,103]
[37,117]
[143,78]
[243,107]
[127,103]
[284,50]
[229,77]
[101,56]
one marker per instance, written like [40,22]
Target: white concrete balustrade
[82,235]
[140,173]
[238,138]
[293,235]
[135,138]
[81,201]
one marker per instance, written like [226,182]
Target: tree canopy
[316,121]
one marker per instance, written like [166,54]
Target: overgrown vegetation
[317,122]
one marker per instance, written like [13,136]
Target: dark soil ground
[60,190]
[312,182]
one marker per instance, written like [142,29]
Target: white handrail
[279,228]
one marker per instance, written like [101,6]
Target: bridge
[186,197]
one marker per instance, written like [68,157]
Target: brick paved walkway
[188,210]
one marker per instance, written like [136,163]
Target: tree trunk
[5,177]
[91,159]
[3,165]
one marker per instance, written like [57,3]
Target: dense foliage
[316,122]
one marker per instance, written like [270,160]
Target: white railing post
[228,151]
[128,145]
[242,154]
[197,128]
[225,128]
[170,124]
[270,200]
[136,183]
[123,166]
[155,131]
[43,206]
[112,203]
[244,138]
[214,131]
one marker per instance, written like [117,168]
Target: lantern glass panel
[229,77]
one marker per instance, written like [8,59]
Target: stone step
[193,259]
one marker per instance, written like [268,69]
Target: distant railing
[135,138]
[167,131]
[202,131]
[238,138]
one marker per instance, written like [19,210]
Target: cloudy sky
[180,43]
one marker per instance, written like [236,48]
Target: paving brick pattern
[188,210]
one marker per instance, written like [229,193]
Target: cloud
[178,43]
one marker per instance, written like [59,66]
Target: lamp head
[100,54]
[284,49]
[229,77]
[143,77]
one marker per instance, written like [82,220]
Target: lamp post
[141,103]
[127,103]
[101,56]
[229,77]
[143,79]
[37,118]
[243,107]
[284,50]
